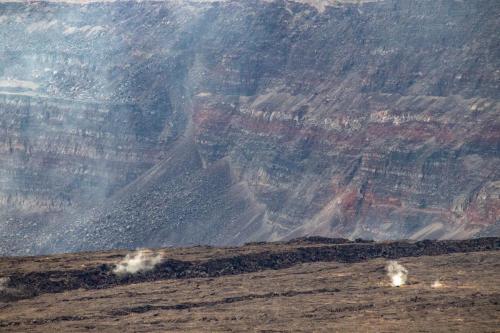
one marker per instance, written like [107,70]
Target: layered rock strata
[220,122]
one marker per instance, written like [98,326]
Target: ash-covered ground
[319,285]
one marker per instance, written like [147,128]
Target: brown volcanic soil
[303,294]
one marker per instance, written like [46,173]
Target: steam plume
[397,273]
[141,261]
[436,284]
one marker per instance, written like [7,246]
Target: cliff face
[161,123]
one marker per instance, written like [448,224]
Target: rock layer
[221,122]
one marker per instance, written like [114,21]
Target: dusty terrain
[301,295]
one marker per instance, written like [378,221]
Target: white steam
[141,261]
[437,284]
[397,273]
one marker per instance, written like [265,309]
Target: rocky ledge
[21,283]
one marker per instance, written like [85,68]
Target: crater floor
[311,296]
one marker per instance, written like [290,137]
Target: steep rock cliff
[130,124]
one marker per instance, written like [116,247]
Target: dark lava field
[305,285]
[250,166]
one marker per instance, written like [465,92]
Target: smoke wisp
[397,273]
[141,261]
[437,284]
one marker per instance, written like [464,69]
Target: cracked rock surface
[166,123]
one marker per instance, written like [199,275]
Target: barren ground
[315,296]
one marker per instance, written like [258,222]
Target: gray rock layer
[126,124]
